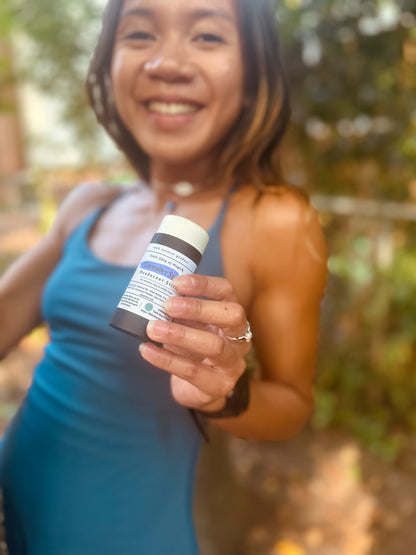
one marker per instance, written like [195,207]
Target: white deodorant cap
[185,229]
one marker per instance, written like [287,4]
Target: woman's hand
[204,363]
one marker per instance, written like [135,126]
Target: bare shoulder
[282,207]
[287,233]
[82,200]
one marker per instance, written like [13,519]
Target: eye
[139,35]
[209,38]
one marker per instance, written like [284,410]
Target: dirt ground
[318,494]
[321,494]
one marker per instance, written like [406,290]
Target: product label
[151,283]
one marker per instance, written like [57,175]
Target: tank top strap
[215,229]
[82,230]
[212,263]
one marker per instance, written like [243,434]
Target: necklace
[182,189]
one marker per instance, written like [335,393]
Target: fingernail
[156,328]
[186,280]
[143,348]
[175,305]
[147,351]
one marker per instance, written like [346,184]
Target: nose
[170,63]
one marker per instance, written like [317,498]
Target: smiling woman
[177,75]
[252,141]
[106,443]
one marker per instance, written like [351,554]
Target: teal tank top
[99,460]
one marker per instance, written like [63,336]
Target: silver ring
[246,338]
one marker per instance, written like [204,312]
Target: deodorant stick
[175,249]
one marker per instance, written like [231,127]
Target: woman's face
[177,75]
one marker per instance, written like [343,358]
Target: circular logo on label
[148,307]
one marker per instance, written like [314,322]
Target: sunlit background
[348,484]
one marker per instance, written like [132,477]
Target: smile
[172,108]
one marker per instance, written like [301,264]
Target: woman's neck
[200,173]
[176,186]
[170,196]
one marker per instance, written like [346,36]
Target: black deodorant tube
[175,249]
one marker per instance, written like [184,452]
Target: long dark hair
[250,150]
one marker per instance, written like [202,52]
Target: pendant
[183,189]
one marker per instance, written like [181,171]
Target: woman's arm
[289,268]
[22,284]
[21,288]
[289,265]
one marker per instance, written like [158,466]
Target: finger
[195,285]
[228,315]
[199,342]
[241,339]
[212,380]
[211,288]
[190,396]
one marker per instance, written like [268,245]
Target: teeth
[172,108]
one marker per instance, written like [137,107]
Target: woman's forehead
[142,6]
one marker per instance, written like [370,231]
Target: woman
[101,456]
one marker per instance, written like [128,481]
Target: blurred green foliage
[56,39]
[366,380]
[352,69]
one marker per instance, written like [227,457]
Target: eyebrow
[202,13]
[196,14]
[137,11]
